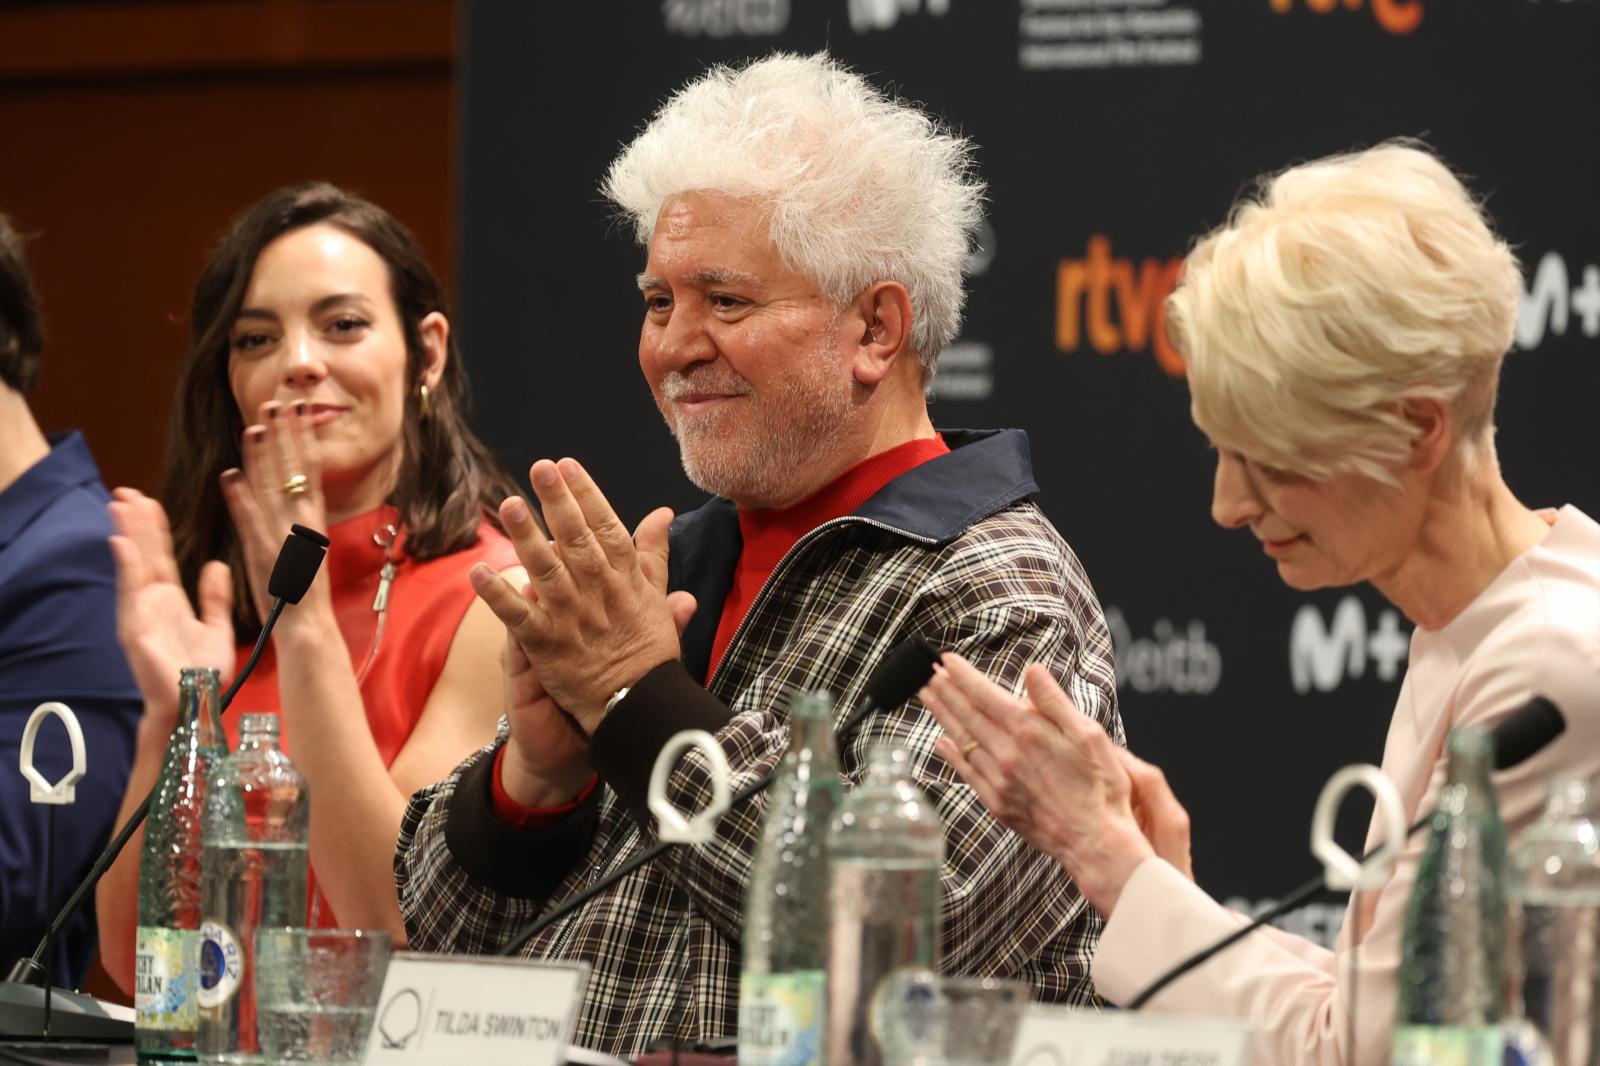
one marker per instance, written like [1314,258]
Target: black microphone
[1516,737]
[26,998]
[297,564]
[903,672]
[1524,732]
[906,668]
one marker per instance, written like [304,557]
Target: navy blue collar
[937,501]
[932,504]
[67,467]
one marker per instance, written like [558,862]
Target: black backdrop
[1110,132]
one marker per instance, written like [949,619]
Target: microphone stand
[29,1005]
[1292,902]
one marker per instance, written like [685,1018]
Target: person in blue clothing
[58,641]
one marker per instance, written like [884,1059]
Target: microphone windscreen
[907,667]
[1526,730]
[297,564]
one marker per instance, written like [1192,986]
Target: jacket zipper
[795,549]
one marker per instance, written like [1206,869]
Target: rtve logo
[1551,299]
[1119,306]
[1323,656]
[1396,16]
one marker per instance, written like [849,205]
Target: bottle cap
[259,723]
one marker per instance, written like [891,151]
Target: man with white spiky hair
[805,235]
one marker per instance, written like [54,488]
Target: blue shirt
[58,641]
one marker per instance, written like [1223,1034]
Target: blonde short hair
[857,186]
[1342,288]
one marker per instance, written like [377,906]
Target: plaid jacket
[954,550]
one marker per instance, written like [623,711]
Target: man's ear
[881,319]
[1435,424]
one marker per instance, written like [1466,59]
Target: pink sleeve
[1286,986]
[1161,918]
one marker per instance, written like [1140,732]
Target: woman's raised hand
[279,485]
[1045,770]
[157,626]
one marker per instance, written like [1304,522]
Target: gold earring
[425,404]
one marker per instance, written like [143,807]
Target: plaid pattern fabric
[663,944]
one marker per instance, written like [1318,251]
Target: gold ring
[969,747]
[295,485]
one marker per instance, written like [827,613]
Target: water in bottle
[782,986]
[252,873]
[886,846]
[166,963]
[1452,960]
[1555,912]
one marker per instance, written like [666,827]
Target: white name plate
[450,1009]
[1052,1036]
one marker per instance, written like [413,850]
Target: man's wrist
[663,703]
[529,787]
[615,691]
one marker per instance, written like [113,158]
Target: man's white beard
[758,454]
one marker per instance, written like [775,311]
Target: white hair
[1345,287]
[857,187]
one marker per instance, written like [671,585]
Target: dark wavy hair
[448,479]
[21,333]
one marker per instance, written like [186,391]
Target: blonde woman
[1344,333]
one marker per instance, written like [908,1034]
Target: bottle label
[1525,1044]
[164,979]
[780,1018]
[221,964]
[1447,1045]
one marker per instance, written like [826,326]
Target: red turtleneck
[768,535]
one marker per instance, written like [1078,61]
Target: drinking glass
[316,990]
[922,1019]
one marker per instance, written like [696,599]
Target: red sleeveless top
[427,601]
[398,667]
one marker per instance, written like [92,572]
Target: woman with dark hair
[322,387]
